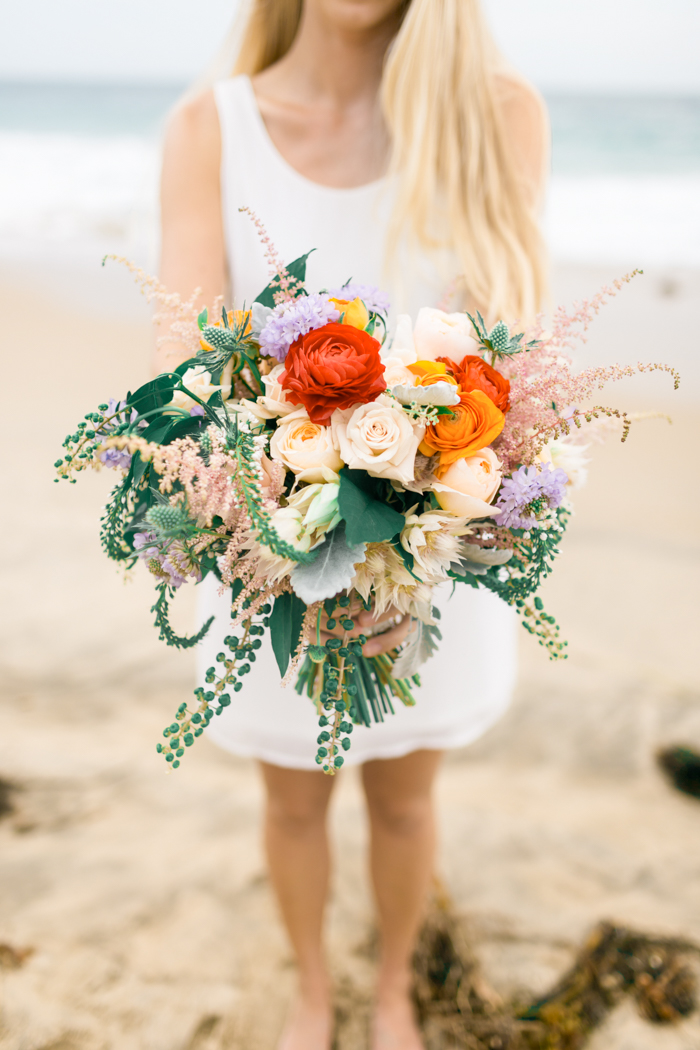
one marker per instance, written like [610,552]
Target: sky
[597,46]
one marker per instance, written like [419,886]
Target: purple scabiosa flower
[143,542]
[290,320]
[374,298]
[527,492]
[116,459]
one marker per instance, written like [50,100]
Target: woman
[384,134]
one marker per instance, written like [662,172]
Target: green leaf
[367,520]
[202,319]
[296,269]
[156,394]
[285,628]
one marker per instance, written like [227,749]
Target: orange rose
[475,423]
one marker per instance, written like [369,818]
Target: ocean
[79,171]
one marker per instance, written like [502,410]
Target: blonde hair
[457,184]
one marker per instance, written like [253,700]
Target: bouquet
[318,465]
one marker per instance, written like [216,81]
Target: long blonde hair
[457,184]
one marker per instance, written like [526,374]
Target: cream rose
[199,382]
[437,334]
[469,485]
[379,438]
[305,448]
[274,401]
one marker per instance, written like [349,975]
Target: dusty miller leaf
[331,571]
[421,645]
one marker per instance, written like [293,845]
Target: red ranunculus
[473,373]
[333,367]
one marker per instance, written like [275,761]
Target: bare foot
[309,1026]
[394,1026]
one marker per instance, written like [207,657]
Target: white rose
[570,457]
[199,382]
[437,334]
[402,346]
[274,401]
[379,438]
[468,486]
[305,448]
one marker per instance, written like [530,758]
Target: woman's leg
[298,858]
[402,824]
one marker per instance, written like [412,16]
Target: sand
[144,897]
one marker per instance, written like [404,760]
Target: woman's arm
[193,253]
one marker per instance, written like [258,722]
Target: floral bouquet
[317,465]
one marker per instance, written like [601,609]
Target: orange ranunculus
[354,312]
[333,367]
[429,372]
[473,373]
[474,424]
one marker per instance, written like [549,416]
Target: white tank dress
[467,685]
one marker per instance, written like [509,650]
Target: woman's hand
[368,620]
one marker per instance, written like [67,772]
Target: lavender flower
[147,551]
[374,298]
[527,492]
[116,459]
[290,320]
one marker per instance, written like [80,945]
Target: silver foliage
[477,560]
[420,646]
[332,570]
[260,316]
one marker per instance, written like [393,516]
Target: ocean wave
[71,190]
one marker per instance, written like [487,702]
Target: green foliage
[242,448]
[285,628]
[113,524]
[152,395]
[517,581]
[297,270]
[162,622]
[367,519]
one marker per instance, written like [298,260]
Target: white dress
[467,686]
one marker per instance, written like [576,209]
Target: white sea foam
[100,193]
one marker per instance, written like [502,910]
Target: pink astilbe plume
[179,315]
[288,285]
[207,485]
[547,396]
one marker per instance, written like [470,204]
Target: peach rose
[305,448]
[469,485]
[396,373]
[437,334]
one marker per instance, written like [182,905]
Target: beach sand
[143,897]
